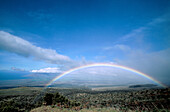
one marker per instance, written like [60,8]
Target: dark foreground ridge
[22,99]
[142,85]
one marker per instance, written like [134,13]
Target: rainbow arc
[107,65]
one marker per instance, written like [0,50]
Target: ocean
[13,75]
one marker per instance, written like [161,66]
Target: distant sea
[13,75]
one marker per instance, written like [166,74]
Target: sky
[56,35]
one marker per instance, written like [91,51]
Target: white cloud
[22,47]
[108,48]
[47,70]
[133,33]
[136,35]
[117,47]
[122,47]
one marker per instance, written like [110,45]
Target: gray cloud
[155,64]
[17,69]
[24,48]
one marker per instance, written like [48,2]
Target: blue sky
[68,33]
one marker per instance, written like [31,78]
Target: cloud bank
[155,64]
[14,44]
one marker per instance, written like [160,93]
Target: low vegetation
[83,100]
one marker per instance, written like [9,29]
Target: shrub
[48,98]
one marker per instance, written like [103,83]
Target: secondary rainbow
[107,65]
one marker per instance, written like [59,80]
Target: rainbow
[107,65]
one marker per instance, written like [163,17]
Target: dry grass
[50,109]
